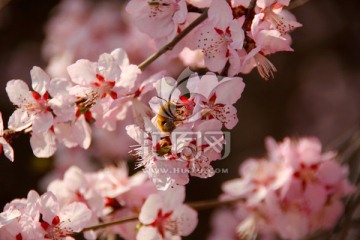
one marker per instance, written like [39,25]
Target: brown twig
[177,39]
[108,224]
[200,205]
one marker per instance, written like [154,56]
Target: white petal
[148,233]
[203,86]
[74,134]
[135,133]
[40,80]
[8,150]
[75,216]
[220,14]
[229,90]
[128,76]
[20,120]
[1,125]
[186,219]
[18,92]
[83,72]
[59,86]
[213,46]
[108,67]
[8,216]
[43,144]
[150,209]
[49,206]
[237,33]
[42,122]
[120,57]
[173,197]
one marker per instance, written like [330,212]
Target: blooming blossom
[41,217]
[164,216]
[158,18]
[4,145]
[296,186]
[219,37]
[216,98]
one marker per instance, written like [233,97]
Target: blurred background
[316,91]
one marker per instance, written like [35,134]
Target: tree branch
[200,205]
[172,44]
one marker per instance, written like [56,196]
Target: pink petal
[1,125]
[83,72]
[20,120]
[186,218]
[316,196]
[213,45]
[150,209]
[120,57]
[8,150]
[220,14]
[229,90]
[43,144]
[237,33]
[76,216]
[148,233]
[204,85]
[18,92]
[42,122]
[49,206]
[330,172]
[40,80]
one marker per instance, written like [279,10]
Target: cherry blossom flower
[164,216]
[4,145]
[33,109]
[41,217]
[60,222]
[296,186]
[216,98]
[75,187]
[154,153]
[158,18]
[111,78]
[192,146]
[219,37]
[279,19]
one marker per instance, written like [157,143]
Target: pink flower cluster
[61,109]
[82,200]
[234,34]
[295,191]
[174,143]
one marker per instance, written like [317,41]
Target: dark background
[316,90]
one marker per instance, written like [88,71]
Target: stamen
[265,67]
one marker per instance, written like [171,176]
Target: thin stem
[200,205]
[208,204]
[172,44]
[108,224]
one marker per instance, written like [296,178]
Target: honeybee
[167,117]
[173,113]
